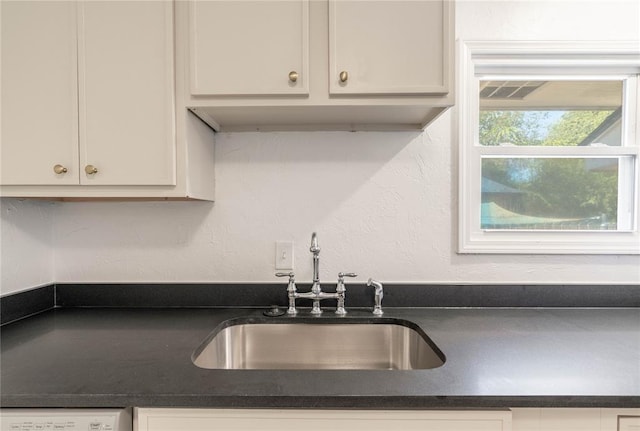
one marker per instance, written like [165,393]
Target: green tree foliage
[572,189]
[552,187]
[510,127]
[574,127]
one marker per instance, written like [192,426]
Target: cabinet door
[628,423]
[320,420]
[389,46]
[39,127]
[583,419]
[126,92]
[249,47]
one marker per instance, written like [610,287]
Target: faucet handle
[341,291]
[341,276]
[291,291]
[291,275]
[291,287]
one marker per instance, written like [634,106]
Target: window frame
[540,60]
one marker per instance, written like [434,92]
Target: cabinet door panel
[628,423]
[570,419]
[310,420]
[249,47]
[39,93]
[126,92]
[389,47]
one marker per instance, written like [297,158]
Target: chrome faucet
[316,294]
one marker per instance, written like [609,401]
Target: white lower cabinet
[575,419]
[317,420]
[516,419]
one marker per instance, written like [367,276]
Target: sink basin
[328,345]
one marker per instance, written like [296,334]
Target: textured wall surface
[548,20]
[26,250]
[383,204]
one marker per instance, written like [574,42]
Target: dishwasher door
[66,419]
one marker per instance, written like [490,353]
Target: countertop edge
[337,402]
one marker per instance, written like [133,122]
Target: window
[548,148]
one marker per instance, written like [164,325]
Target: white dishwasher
[66,419]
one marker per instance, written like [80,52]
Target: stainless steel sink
[318,346]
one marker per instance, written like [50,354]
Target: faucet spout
[315,249]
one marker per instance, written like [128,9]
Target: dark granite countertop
[495,357]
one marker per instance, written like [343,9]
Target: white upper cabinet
[388,47]
[87,87]
[249,47]
[39,91]
[126,92]
[320,64]
[89,99]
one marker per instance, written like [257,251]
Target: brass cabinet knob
[90,169]
[59,169]
[293,76]
[344,76]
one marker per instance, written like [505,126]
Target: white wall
[26,249]
[548,20]
[383,204]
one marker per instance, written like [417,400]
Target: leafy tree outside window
[566,192]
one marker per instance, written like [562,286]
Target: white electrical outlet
[284,254]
